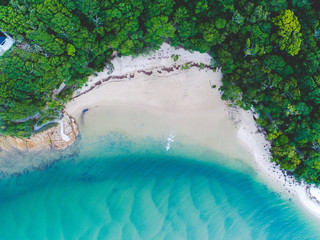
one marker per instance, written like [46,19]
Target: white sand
[187,107]
[308,196]
[156,60]
[182,103]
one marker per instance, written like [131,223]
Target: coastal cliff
[59,137]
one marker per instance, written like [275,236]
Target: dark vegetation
[268,51]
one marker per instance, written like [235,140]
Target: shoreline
[161,66]
[308,196]
[169,104]
[59,137]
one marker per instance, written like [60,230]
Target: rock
[40,140]
[7,143]
[48,139]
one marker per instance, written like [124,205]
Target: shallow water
[115,187]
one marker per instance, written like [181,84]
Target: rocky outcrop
[48,139]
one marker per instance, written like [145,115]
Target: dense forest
[268,51]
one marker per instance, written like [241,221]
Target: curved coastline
[161,66]
[307,195]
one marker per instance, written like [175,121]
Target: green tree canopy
[288,36]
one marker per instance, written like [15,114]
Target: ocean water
[115,187]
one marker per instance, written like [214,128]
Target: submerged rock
[49,139]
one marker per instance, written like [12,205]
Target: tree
[275,5]
[274,63]
[259,14]
[220,23]
[158,28]
[288,35]
[300,3]
[210,34]
[238,18]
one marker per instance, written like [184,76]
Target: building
[5,42]
[3,38]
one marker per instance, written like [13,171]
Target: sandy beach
[157,98]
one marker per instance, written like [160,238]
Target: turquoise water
[114,187]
